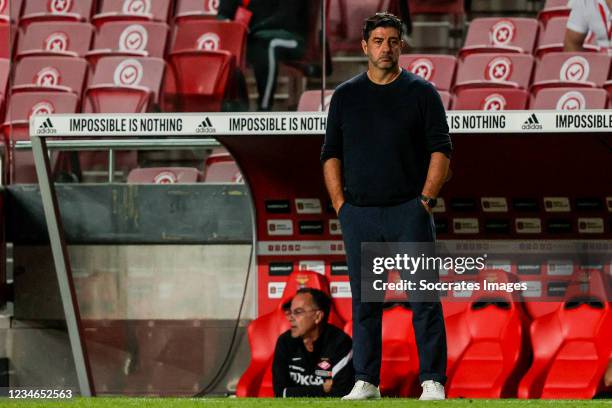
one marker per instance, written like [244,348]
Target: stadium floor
[299,402]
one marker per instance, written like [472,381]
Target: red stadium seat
[124,38]
[16,127]
[494,70]
[492,330]
[196,9]
[608,87]
[122,85]
[127,85]
[198,81]
[571,346]
[5,40]
[551,39]
[491,99]
[552,9]
[204,60]
[133,10]
[349,16]
[221,168]
[571,69]
[437,69]
[495,34]
[51,74]
[264,331]
[537,309]
[55,39]
[454,7]
[164,175]
[56,10]
[16,8]
[5,12]
[5,69]
[457,339]
[212,35]
[311,101]
[399,369]
[570,99]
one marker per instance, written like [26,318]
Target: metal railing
[112,145]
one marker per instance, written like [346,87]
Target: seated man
[313,358]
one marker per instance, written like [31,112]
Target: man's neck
[310,338]
[383,77]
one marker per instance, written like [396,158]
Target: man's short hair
[382,19]
[320,300]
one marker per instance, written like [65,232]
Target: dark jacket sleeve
[343,374]
[436,126]
[281,381]
[332,145]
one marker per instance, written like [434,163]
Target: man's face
[383,48]
[304,316]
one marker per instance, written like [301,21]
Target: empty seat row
[145,39]
[102,11]
[219,167]
[559,69]
[217,47]
[495,99]
[519,35]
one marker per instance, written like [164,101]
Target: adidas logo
[532,123]
[47,124]
[46,128]
[206,126]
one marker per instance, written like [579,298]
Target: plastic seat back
[571,345]
[310,101]
[491,99]
[55,39]
[500,34]
[437,69]
[564,99]
[494,70]
[554,8]
[124,84]
[55,74]
[495,355]
[56,10]
[133,10]
[126,38]
[196,9]
[571,69]
[164,175]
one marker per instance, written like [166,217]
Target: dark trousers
[407,222]
[266,48]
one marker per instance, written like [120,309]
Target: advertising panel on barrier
[302,123]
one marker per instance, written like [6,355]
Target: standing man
[385,158]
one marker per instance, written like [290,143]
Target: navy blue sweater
[384,135]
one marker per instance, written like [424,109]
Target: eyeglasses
[298,312]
